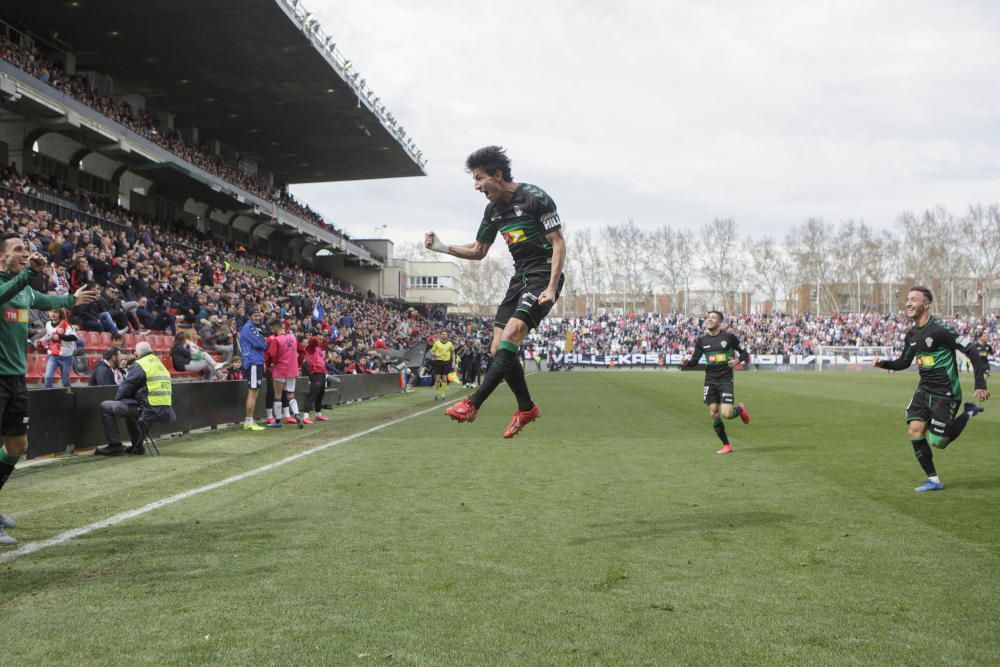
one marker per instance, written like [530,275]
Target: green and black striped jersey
[718,351]
[523,222]
[933,347]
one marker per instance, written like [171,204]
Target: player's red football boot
[322,418]
[289,420]
[306,420]
[271,420]
[744,415]
[726,449]
[463,411]
[522,419]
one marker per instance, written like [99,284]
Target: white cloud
[679,112]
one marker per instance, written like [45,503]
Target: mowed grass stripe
[608,533]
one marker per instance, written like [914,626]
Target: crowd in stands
[760,334]
[172,279]
[80,88]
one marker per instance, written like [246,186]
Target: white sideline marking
[62,538]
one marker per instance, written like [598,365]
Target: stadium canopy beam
[77,158]
[248,76]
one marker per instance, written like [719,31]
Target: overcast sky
[677,112]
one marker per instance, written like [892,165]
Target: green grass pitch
[609,533]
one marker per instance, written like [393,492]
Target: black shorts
[440,367]
[13,405]
[521,299]
[938,412]
[719,393]
[254,375]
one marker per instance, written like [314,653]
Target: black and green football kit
[938,398]
[523,222]
[718,351]
[16,300]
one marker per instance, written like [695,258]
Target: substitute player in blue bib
[721,350]
[525,216]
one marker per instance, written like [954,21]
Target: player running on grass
[720,349]
[526,217]
[935,415]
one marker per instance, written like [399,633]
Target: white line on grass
[62,538]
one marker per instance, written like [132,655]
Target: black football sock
[737,411]
[494,376]
[515,379]
[959,425]
[720,430]
[924,456]
[7,464]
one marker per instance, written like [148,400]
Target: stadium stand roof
[253,74]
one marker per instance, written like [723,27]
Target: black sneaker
[110,450]
[132,450]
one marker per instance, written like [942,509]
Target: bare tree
[672,262]
[586,265]
[808,245]
[628,256]
[981,233]
[483,283]
[770,268]
[722,262]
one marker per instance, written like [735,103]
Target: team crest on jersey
[514,236]
[929,341]
[517,210]
[724,343]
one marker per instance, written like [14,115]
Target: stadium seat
[105,340]
[92,339]
[36,368]
[129,340]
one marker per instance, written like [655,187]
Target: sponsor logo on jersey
[550,220]
[514,236]
[717,358]
[495,217]
[19,315]
[935,422]
[925,360]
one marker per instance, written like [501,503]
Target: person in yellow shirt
[442,363]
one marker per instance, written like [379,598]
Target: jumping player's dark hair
[490,159]
[916,288]
[717,312]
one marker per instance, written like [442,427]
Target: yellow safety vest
[157,380]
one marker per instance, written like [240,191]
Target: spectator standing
[252,348]
[60,342]
[316,363]
[282,357]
